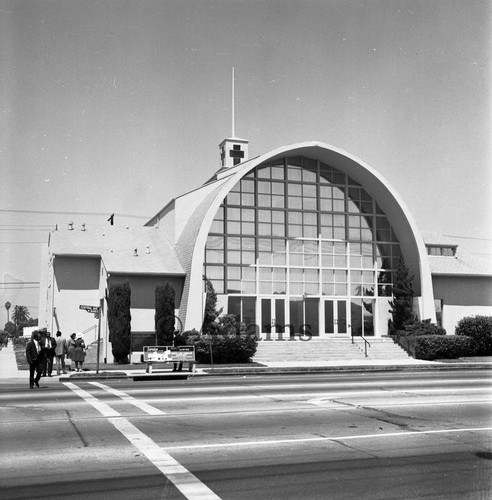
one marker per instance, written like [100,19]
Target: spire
[233,150]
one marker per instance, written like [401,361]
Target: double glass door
[282,317]
[335,316]
[272,316]
[294,316]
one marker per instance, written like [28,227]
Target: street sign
[89,309]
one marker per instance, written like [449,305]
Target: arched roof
[192,235]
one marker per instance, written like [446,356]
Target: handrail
[403,341]
[366,342]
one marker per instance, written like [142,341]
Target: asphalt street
[348,435]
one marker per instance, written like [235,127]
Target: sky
[116,106]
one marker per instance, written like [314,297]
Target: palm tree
[21,313]
[7,306]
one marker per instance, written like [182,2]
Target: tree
[7,306]
[119,320]
[21,314]
[164,314]
[11,329]
[210,314]
[402,303]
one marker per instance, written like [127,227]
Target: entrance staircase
[337,349]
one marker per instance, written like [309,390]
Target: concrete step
[336,349]
[312,350]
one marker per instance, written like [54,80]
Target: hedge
[235,348]
[431,347]
[479,328]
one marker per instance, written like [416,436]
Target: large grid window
[299,227]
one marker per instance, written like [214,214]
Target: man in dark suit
[48,346]
[33,356]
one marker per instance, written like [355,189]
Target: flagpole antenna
[233,117]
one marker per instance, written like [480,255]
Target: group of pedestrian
[42,350]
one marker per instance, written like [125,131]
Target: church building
[302,240]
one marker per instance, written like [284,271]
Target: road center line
[188,484]
[151,410]
[321,439]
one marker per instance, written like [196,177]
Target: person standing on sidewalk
[79,353]
[33,356]
[71,348]
[49,354]
[60,352]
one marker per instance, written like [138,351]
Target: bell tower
[233,150]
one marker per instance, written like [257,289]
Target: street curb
[288,370]
[334,369]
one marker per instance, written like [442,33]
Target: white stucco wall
[452,314]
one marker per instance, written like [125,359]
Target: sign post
[96,310]
[99,311]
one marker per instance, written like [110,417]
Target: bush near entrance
[228,343]
[479,329]
[431,347]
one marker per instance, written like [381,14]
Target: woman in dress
[79,353]
[71,348]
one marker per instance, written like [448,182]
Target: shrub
[119,320]
[164,313]
[229,344]
[431,347]
[4,337]
[425,327]
[20,341]
[402,303]
[479,328]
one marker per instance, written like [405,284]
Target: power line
[20,288]
[44,229]
[8,210]
[20,282]
[26,225]
[467,237]
[20,242]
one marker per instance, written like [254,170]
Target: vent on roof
[70,226]
[135,252]
[147,249]
[83,226]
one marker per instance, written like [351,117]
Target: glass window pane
[214,256]
[310,219]
[233,243]
[308,190]
[264,200]
[233,199]
[248,257]
[247,186]
[233,257]
[217,227]
[248,199]
[248,228]
[233,273]
[309,203]
[278,188]
[234,307]
[215,242]
[264,187]
[233,227]
[278,172]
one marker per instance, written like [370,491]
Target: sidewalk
[8,364]
[9,370]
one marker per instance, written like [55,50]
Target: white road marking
[151,410]
[321,439]
[188,484]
